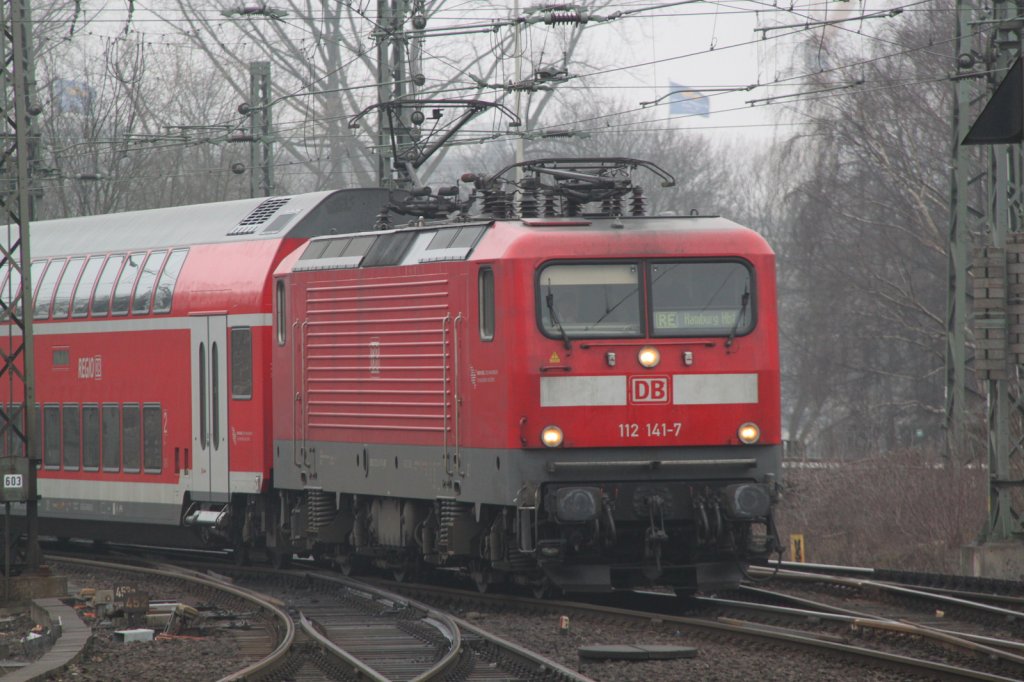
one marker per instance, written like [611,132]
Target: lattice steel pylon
[987,217]
[19,141]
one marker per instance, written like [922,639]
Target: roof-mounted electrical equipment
[563,187]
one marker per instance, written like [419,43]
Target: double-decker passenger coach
[152,341]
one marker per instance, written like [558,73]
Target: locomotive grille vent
[258,216]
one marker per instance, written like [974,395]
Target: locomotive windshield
[700,299]
[686,298]
[591,300]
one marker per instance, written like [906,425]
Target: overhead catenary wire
[315,120]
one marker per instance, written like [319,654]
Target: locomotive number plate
[651,430]
[13,481]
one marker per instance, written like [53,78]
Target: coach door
[209,408]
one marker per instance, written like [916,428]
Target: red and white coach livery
[152,340]
[580,400]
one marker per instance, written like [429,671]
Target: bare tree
[325,65]
[115,137]
[865,304]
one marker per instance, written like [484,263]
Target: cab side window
[485,287]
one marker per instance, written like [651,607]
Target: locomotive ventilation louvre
[259,215]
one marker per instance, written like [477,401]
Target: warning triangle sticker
[554,357]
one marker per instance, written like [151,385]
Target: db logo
[648,389]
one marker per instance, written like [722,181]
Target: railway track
[385,636]
[334,613]
[261,647]
[323,627]
[882,642]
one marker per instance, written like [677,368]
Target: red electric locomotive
[581,400]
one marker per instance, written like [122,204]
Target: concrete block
[999,560]
[136,635]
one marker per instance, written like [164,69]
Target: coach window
[486,293]
[126,283]
[111,436]
[91,437]
[44,293]
[144,289]
[13,445]
[164,293]
[241,363]
[72,438]
[36,273]
[152,438]
[101,299]
[131,436]
[11,287]
[282,324]
[51,436]
[83,292]
[62,299]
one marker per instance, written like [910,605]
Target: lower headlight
[749,433]
[747,501]
[551,436]
[576,505]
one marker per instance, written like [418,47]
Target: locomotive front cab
[657,420]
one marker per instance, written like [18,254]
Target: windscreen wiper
[549,300]
[744,300]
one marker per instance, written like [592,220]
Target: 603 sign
[14,481]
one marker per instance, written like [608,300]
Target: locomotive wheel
[350,564]
[542,589]
[685,592]
[240,555]
[484,577]
[482,580]
[279,558]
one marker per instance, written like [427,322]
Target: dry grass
[908,510]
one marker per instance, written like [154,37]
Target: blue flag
[687,101]
[72,96]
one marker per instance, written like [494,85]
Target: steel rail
[739,628]
[989,646]
[361,670]
[285,626]
[447,625]
[554,669]
[882,586]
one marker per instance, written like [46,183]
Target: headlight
[649,356]
[551,436]
[576,505]
[749,433]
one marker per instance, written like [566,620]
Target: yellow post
[796,547]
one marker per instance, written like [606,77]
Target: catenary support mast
[17,194]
